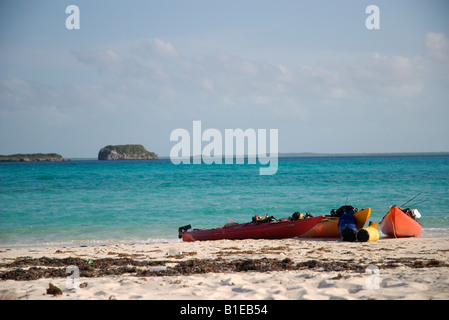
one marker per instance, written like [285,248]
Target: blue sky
[136,70]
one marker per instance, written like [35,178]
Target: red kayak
[397,223]
[252,230]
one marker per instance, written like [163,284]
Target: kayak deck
[252,230]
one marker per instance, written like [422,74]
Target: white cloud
[384,70]
[165,49]
[154,71]
[110,61]
[437,46]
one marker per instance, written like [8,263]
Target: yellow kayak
[328,226]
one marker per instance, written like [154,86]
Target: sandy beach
[409,268]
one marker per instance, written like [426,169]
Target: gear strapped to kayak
[338,212]
[262,219]
[412,213]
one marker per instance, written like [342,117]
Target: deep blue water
[96,202]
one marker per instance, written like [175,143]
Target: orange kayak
[396,223]
[328,227]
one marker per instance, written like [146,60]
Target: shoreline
[150,241]
[405,268]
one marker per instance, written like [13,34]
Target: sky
[137,70]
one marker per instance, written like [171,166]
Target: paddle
[411,199]
[414,204]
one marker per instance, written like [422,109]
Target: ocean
[91,202]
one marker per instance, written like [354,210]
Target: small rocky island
[28,157]
[126,152]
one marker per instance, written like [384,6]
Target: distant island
[28,157]
[126,152]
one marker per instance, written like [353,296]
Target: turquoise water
[103,202]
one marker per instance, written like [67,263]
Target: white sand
[402,281]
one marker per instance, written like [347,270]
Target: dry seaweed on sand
[32,269]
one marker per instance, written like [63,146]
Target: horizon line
[306,154]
